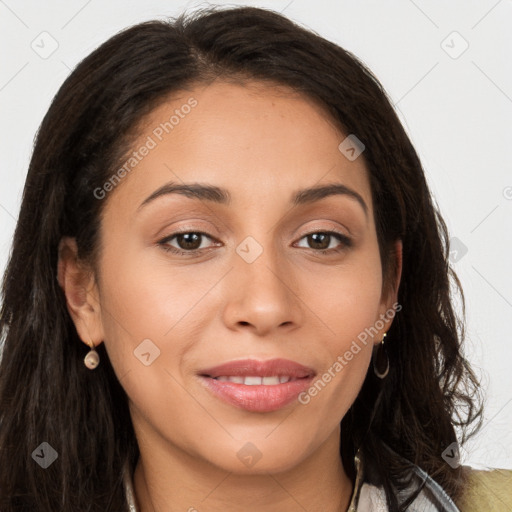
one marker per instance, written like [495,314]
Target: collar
[128,489]
[365,496]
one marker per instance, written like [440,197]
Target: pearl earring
[92,359]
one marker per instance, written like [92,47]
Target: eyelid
[326,230]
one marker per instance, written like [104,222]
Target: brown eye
[321,240]
[187,242]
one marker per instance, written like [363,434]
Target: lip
[246,367]
[258,398]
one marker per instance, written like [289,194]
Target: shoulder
[487,490]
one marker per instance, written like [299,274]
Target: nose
[263,295]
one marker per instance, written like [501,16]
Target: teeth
[255,381]
[252,381]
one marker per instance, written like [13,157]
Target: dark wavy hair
[46,392]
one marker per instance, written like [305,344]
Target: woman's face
[248,282]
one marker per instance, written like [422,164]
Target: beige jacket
[488,491]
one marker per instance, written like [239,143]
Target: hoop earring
[92,359]
[380,359]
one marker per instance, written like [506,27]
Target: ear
[389,303]
[78,282]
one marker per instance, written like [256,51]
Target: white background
[456,108]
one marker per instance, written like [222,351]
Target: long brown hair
[47,394]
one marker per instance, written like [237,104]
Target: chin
[259,457]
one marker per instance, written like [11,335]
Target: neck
[317,484]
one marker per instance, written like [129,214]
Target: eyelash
[346,242]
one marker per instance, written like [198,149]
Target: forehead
[253,139]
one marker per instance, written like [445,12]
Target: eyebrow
[222,196]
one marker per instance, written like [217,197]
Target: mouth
[254,380]
[258,386]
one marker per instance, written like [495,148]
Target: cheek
[349,309]
[148,332]
[154,313]
[144,309]
[346,356]
[348,300]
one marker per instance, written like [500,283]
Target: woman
[227,214]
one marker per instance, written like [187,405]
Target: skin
[261,143]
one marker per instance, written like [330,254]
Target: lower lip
[258,398]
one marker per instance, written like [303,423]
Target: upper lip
[252,367]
